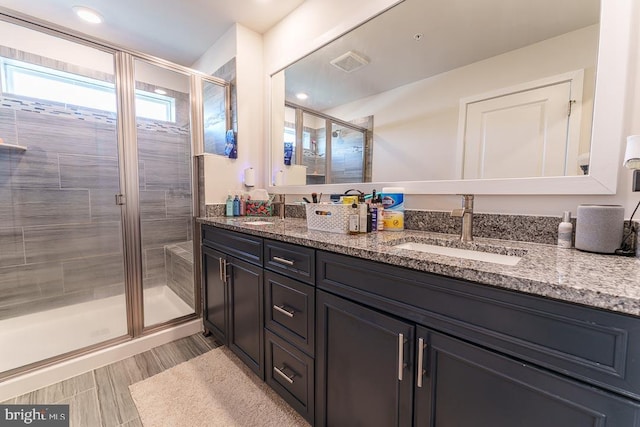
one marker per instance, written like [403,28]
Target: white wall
[42,44]
[316,22]
[224,175]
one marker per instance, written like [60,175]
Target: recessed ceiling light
[87,14]
[302,96]
[160,91]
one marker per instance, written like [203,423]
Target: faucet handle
[457,213]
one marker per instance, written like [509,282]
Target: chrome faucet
[466,213]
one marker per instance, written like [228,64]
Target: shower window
[33,81]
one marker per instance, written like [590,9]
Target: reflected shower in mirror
[501,89]
[215,118]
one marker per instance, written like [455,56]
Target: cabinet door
[214,293]
[245,302]
[465,385]
[364,374]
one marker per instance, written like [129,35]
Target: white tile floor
[38,336]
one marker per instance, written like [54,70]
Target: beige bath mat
[214,389]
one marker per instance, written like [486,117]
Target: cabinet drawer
[290,310]
[242,246]
[593,345]
[290,260]
[290,373]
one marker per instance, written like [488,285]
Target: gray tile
[156,233]
[81,171]
[141,176]
[208,342]
[153,205]
[34,304]
[35,168]
[167,160]
[180,277]
[66,135]
[11,247]
[60,391]
[84,409]
[108,291]
[154,263]
[176,352]
[26,283]
[103,205]
[72,241]
[8,126]
[5,171]
[113,382]
[93,272]
[179,203]
[30,207]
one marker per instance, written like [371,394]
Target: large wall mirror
[441,96]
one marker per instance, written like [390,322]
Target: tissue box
[328,217]
[259,208]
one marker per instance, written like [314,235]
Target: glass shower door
[164,168]
[61,248]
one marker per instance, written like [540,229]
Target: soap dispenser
[236,206]
[229,206]
[565,231]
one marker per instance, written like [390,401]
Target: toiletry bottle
[373,212]
[229,206]
[354,220]
[243,206]
[565,231]
[236,206]
[380,213]
[363,211]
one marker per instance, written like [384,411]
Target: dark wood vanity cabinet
[289,307]
[347,341]
[374,369]
[233,293]
[399,347]
[461,384]
[214,293]
[364,364]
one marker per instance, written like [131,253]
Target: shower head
[336,133]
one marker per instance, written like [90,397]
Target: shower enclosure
[331,151]
[96,194]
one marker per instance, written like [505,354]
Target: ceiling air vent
[349,62]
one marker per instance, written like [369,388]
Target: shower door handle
[120,200]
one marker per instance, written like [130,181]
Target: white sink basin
[460,253]
[258,222]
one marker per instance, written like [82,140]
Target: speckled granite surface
[604,281]
[523,228]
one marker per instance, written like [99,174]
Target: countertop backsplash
[521,228]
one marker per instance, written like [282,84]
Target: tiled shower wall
[60,231]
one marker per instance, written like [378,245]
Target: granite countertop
[609,282]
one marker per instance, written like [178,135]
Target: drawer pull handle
[281,309]
[286,377]
[220,262]
[421,370]
[400,356]
[283,260]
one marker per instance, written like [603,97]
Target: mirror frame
[606,140]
